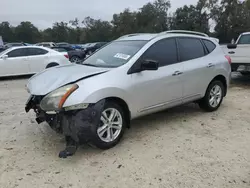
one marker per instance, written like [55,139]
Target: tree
[153,17]
[6,31]
[124,23]
[26,32]
[96,30]
[232,19]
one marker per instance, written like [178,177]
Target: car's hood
[53,78]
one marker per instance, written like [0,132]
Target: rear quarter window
[209,45]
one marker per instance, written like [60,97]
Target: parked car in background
[91,48]
[29,60]
[63,44]
[46,44]
[13,44]
[240,53]
[130,77]
[74,55]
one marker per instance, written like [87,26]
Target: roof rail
[185,32]
[131,35]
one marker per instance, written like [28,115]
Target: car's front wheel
[111,127]
[213,97]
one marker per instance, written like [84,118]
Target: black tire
[204,103]
[97,141]
[51,65]
[75,59]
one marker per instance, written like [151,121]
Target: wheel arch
[124,107]
[51,64]
[223,80]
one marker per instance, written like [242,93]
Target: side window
[17,53]
[190,48]
[163,51]
[210,45]
[36,51]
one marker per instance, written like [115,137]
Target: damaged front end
[77,123]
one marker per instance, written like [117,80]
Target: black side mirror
[149,65]
[232,46]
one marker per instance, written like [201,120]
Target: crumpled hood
[53,78]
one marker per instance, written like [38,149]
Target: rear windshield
[115,54]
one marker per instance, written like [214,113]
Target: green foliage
[224,19]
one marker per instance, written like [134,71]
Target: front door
[155,90]
[16,63]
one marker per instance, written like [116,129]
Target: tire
[96,138]
[51,65]
[74,59]
[205,103]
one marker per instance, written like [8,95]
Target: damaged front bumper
[80,125]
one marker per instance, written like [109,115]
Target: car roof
[245,33]
[20,47]
[173,33]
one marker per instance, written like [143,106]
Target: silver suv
[133,76]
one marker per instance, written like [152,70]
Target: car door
[241,53]
[196,70]
[37,59]
[162,88]
[15,63]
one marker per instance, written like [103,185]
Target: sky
[43,13]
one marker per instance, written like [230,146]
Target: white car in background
[25,60]
[46,44]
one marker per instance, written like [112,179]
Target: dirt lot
[182,147]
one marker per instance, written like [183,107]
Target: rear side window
[210,45]
[163,51]
[190,48]
[36,51]
[17,53]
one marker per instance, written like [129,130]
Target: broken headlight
[54,101]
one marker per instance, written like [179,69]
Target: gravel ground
[181,147]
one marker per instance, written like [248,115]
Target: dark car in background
[74,55]
[91,48]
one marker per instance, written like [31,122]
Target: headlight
[54,101]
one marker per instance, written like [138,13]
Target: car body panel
[144,92]
[47,80]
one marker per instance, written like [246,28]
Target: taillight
[66,56]
[228,59]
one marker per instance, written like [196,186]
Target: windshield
[3,52]
[244,39]
[115,54]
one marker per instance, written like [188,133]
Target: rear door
[16,63]
[38,58]
[198,67]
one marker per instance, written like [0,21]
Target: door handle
[176,73]
[210,65]
[231,52]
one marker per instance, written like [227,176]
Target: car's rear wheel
[74,59]
[213,97]
[110,130]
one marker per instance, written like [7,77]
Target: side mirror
[149,65]
[4,57]
[232,46]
